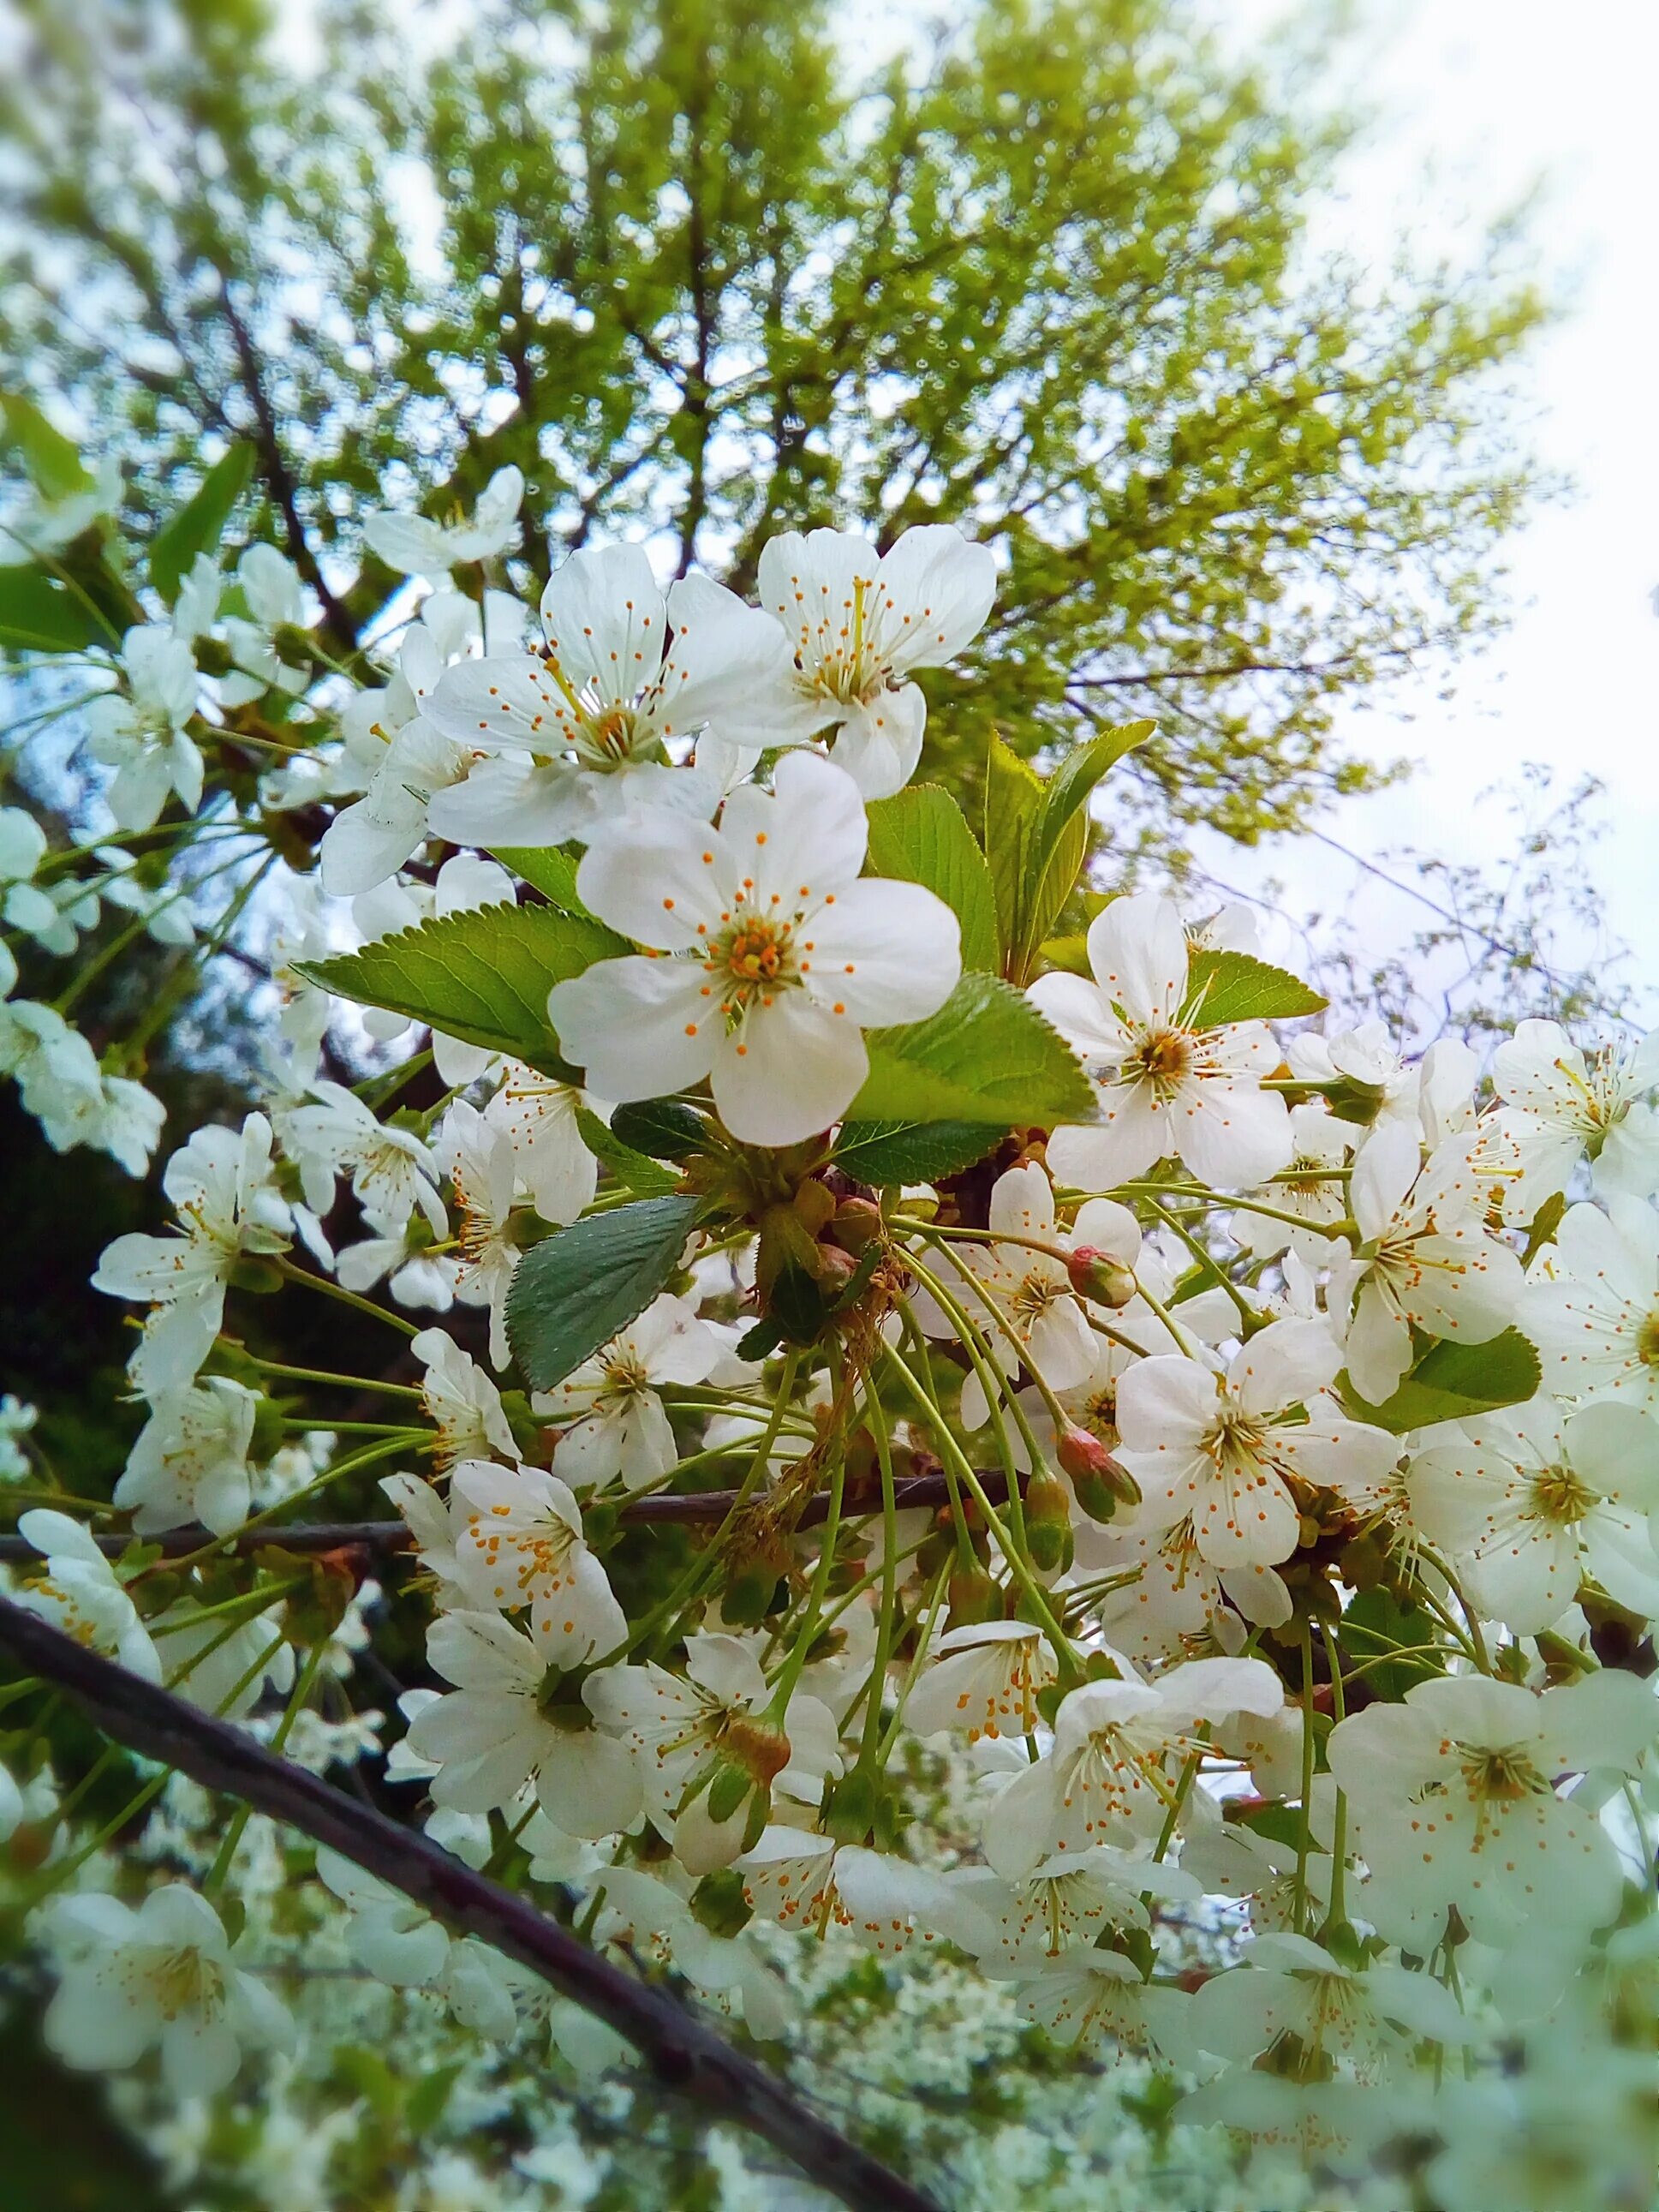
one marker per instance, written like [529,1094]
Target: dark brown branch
[709,1507]
[719,2082]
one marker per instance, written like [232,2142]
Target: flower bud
[1049,1522]
[1100,1276]
[856,1221]
[760,1748]
[975,1595]
[814,1205]
[1101,1484]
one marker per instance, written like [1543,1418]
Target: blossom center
[1162,1060]
[1559,1494]
[1647,1340]
[183,1981]
[1502,1775]
[752,959]
[1033,1294]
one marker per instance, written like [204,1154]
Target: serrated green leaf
[573,1291]
[549,869]
[1453,1382]
[1062,837]
[890,1153]
[40,615]
[483,975]
[55,468]
[988,1056]
[1013,802]
[1235,986]
[921,836]
[200,523]
[638,1170]
[661,1128]
[1036,834]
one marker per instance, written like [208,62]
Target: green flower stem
[411,1439]
[1339,1826]
[341,1382]
[238,1819]
[991,1380]
[1211,1266]
[328,1290]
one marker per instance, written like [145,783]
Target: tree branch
[916,1491]
[683,2055]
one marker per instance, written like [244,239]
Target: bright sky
[1478,100]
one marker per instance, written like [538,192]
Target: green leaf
[483,974]
[988,1056]
[1455,1382]
[1235,986]
[889,1154]
[574,1291]
[40,615]
[1036,834]
[921,836]
[661,1126]
[1377,1621]
[55,468]
[200,523]
[549,869]
[637,1170]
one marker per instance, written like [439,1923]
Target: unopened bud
[857,1220]
[761,1749]
[1049,1522]
[1101,1484]
[814,1205]
[975,1595]
[1100,1276]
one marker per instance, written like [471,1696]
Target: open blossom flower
[400,1945]
[416,545]
[162,1975]
[275,600]
[680,1725]
[80,1593]
[521,1532]
[393,1174]
[1070,1900]
[227,1204]
[1307,1187]
[783,955]
[461,1402]
[480,1163]
[1154,1596]
[618,1426]
[859,621]
[1169,1083]
[578,729]
[1222,1451]
[537,1113]
[982,1679]
[1426,1261]
[1454,1798]
[1084,1997]
[1594,1314]
[1530,1501]
[1110,1776]
[140,732]
[190,1462]
[806,1882]
[1360,2017]
[490,1735]
[1559,1107]
[408,759]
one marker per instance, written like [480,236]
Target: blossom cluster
[1247,1475]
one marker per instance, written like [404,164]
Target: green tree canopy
[698,277]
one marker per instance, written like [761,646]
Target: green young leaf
[1013,806]
[40,615]
[483,975]
[200,523]
[1454,1381]
[988,1056]
[921,836]
[890,1153]
[661,1128]
[638,1170]
[1036,835]
[574,1289]
[549,869]
[1235,986]
[55,469]
[1063,822]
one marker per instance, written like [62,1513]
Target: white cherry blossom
[275,600]
[190,1462]
[141,733]
[1593,1308]
[1560,1106]
[859,622]
[1162,1597]
[490,1735]
[416,545]
[227,1205]
[615,1423]
[578,728]
[393,1174]
[1363,2018]
[1169,1085]
[80,1593]
[520,1537]
[982,1679]
[781,956]
[461,1402]
[538,1114]
[163,1975]
[1454,1798]
[1222,1452]
[1426,1261]
[479,1159]
[1529,1501]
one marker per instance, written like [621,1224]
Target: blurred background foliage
[703,275]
